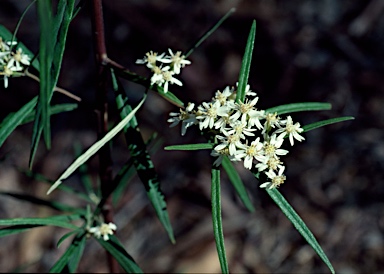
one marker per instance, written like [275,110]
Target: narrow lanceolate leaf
[326,122]
[246,64]
[37,201]
[61,221]
[296,107]
[53,34]
[216,219]
[42,123]
[69,261]
[10,122]
[237,183]
[95,148]
[142,160]
[16,229]
[299,224]
[210,31]
[190,147]
[117,250]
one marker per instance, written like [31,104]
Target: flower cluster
[11,62]
[164,67]
[104,230]
[242,132]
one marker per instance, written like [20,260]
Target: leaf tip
[54,186]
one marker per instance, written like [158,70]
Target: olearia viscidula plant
[235,128]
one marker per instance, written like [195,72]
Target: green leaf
[69,261]
[237,183]
[15,229]
[297,107]
[60,221]
[210,31]
[53,34]
[38,201]
[326,122]
[10,122]
[216,219]
[299,224]
[117,250]
[142,160]
[246,64]
[66,236]
[190,147]
[95,148]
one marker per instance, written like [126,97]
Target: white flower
[168,78]
[253,151]
[150,59]
[242,109]
[275,179]
[222,97]
[104,230]
[239,128]
[254,118]
[272,147]
[19,58]
[208,113]
[8,70]
[291,129]
[187,117]
[177,61]
[271,163]
[231,141]
[271,120]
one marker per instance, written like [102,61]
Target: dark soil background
[305,50]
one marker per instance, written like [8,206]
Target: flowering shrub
[235,128]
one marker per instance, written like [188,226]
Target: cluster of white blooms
[11,62]
[104,230]
[242,132]
[164,67]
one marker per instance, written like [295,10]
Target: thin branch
[58,89]
[105,159]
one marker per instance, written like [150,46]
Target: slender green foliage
[216,219]
[246,65]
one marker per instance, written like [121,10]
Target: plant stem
[58,89]
[105,160]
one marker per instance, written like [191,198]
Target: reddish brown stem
[105,160]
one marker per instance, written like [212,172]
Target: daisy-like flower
[243,109]
[169,79]
[253,151]
[187,117]
[271,163]
[151,58]
[157,77]
[7,72]
[177,61]
[291,129]
[271,121]
[223,97]
[254,118]
[104,230]
[275,179]
[19,58]
[272,147]
[239,128]
[232,141]
[208,113]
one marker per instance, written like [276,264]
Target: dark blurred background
[305,50]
